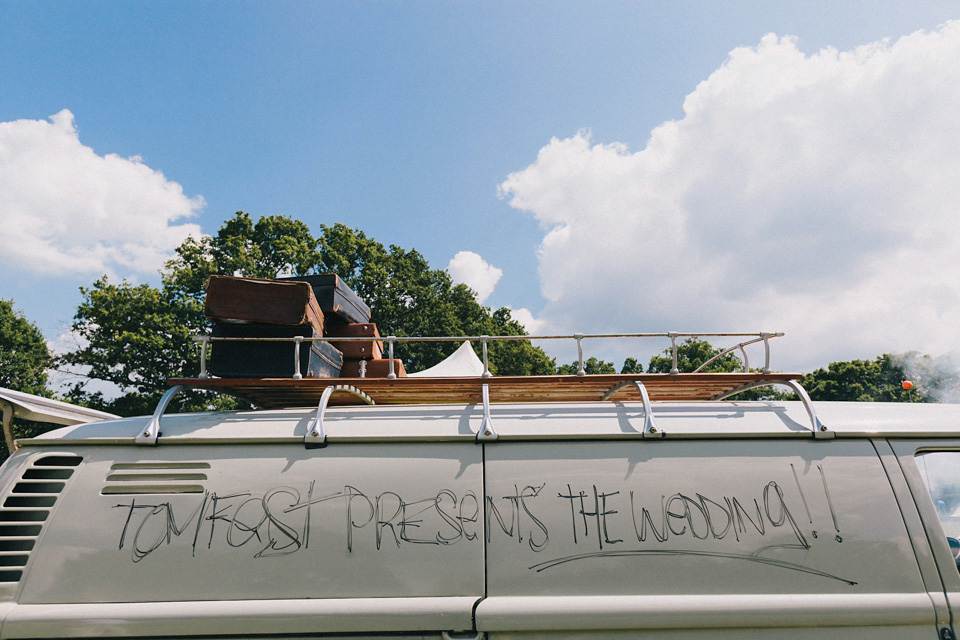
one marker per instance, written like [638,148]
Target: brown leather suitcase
[355,330]
[339,303]
[260,300]
[375,368]
[356,349]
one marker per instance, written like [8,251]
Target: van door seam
[916,512]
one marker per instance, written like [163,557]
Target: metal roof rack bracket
[151,432]
[486,432]
[650,427]
[316,436]
[817,428]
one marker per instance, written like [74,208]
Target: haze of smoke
[936,377]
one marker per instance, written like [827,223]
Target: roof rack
[298,391]
[647,388]
[296,342]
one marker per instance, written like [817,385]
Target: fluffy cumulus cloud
[66,210]
[470,269]
[533,325]
[813,194]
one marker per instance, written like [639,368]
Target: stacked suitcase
[363,359]
[308,306]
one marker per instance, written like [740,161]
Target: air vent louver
[135,478]
[23,513]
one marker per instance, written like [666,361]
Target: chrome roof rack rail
[817,428]
[205,341]
[764,337]
[316,436]
[300,391]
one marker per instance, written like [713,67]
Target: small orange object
[906,384]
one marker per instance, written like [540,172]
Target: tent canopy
[461,363]
[30,407]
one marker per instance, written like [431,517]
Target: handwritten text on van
[283,519]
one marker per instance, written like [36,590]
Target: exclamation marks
[802,496]
[826,492]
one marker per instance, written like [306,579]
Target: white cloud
[65,209]
[530,323]
[470,269]
[812,194]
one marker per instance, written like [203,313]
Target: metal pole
[390,375]
[204,341]
[486,366]
[580,369]
[673,348]
[7,410]
[766,347]
[296,357]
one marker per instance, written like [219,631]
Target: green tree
[516,357]
[692,353]
[136,336]
[878,380]
[24,357]
[270,247]
[631,365]
[591,366]
[24,360]
[408,298]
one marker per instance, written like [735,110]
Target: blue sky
[407,119]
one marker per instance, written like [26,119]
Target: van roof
[526,421]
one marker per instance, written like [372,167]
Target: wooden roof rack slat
[274,393]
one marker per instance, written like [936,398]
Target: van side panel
[705,534]
[244,522]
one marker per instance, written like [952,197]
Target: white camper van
[605,506]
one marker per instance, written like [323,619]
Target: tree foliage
[591,366]
[408,298]
[136,336]
[516,357]
[878,380]
[24,357]
[24,360]
[692,353]
[695,352]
